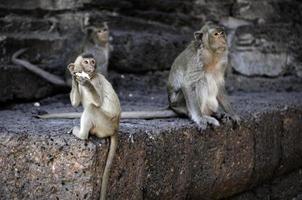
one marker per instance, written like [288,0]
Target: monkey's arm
[56,80]
[75,97]
[225,103]
[94,89]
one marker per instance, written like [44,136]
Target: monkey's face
[217,39]
[102,34]
[88,65]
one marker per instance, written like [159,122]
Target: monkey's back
[180,66]
[100,54]
[111,104]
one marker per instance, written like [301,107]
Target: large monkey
[196,81]
[102,109]
[96,42]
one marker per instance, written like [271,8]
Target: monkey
[95,42]
[196,82]
[196,85]
[101,105]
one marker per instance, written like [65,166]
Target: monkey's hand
[83,81]
[236,119]
[82,78]
[74,79]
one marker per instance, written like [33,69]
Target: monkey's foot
[225,118]
[202,125]
[211,120]
[205,121]
[76,132]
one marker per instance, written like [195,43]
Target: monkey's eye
[216,34]
[105,29]
[85,62]
[92,62]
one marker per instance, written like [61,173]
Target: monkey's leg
[177,102]
[104,126]
[193,108]
[196,107]
[76,131]
[86,125]
[208,108]
[226,106]
[211,120]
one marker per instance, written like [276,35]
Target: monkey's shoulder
[186,56]
[111,103]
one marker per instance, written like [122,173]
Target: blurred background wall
[264,38]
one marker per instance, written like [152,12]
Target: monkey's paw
[212,121]
[227,118]
[205,121]
[201,126]
[83,81]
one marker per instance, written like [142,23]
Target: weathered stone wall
[168,159]
[264,37]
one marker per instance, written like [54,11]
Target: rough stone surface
[32,87]
[257,50]
[156,159]
[288,186]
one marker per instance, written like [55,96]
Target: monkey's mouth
[223,43]
[221,49]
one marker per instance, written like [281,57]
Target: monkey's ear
[198,35]
[71,67]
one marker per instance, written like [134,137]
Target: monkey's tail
[124,115]
[71,115]
[56,80]
[148,114]
[112,151]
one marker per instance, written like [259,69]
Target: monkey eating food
[101,115]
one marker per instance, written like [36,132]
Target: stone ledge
[287,186]
[156,159]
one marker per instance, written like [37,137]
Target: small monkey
[101,115]
[196,79]
[96,42]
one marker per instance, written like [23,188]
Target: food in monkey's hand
[82,75]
